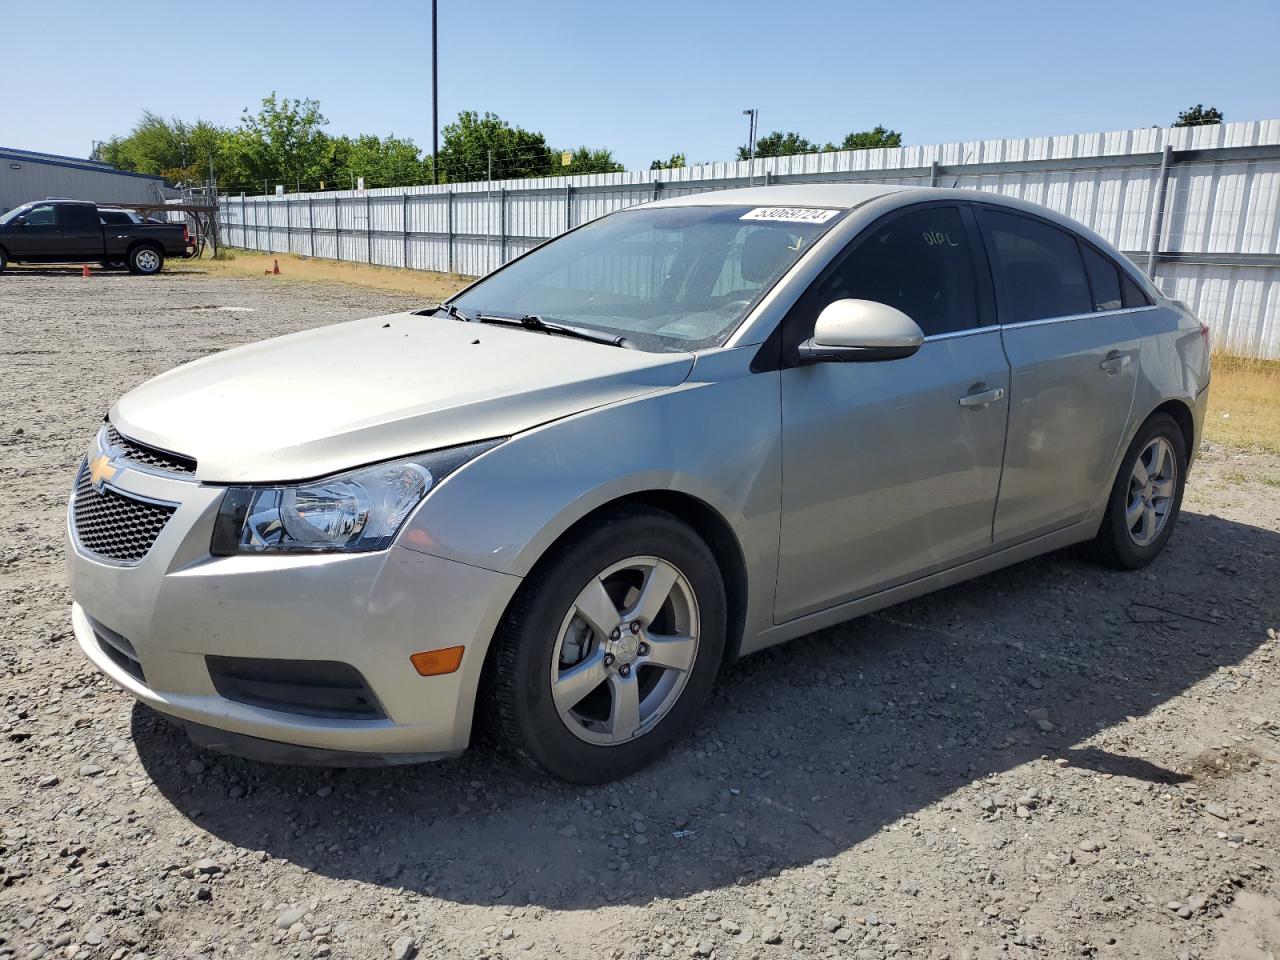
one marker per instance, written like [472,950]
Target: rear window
[1038,268]
[115,217]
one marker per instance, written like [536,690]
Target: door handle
[1115,362]
[982,398]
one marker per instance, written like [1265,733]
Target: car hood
[314,403]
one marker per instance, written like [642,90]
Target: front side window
[666,278]
[42,216]
[918,262]
[1038,268]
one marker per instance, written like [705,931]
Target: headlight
[360,510]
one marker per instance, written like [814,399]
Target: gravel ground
[1055,760]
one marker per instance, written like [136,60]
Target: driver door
[891,469]
[36,237]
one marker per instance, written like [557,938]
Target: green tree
[676,162]
[282,143]
[583,160]
[470,142]
[388,161]
[779,144]
[877,136]
[1198,116]
[173,148]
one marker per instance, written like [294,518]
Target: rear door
[81,231]
[1072,348]
[891,470]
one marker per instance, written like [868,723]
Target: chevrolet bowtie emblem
[101,471]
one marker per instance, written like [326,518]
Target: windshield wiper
[532,321]
[451,310]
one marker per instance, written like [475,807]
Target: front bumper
[180,605]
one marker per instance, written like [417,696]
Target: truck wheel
[4,260]
[145,260]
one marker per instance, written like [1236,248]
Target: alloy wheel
[625,651]
[1152,485]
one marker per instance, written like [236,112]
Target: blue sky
[646,80]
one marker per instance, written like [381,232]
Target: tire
[589,738]
[1130,545]
[4,260]
[145,260]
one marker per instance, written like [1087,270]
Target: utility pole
[435,103]
[754,114]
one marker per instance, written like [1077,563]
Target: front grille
[119,650]
[312,688]
[141,454]
[113,525]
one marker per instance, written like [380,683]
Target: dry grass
[432,287]
[1244,403]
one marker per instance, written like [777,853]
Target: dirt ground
[1056,760]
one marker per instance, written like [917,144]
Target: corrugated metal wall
[1218,238]
[24,177]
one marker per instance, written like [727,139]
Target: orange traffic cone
[84,271]
[276,268]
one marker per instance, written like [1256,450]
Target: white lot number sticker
[790,214]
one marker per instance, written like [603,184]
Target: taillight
[186,234]
[1204,335]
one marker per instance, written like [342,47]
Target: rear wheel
[4,260]
[1146,497]
[609,651]
[145,260]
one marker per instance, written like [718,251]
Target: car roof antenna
[956,182]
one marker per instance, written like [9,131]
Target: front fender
[715,437]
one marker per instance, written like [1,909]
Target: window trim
[986,318]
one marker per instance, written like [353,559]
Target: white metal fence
[1206,200]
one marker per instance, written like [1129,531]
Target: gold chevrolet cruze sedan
[564,499]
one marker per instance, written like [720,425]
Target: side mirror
[861,331]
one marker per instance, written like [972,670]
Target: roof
[74,163]
[841,195]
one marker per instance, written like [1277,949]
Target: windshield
[666,278]
[9,215]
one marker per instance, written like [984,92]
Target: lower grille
[312,688]
[113,525]
[119,651]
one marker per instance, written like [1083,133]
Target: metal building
[27,175]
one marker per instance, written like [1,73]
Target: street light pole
[435,103]
[751,133]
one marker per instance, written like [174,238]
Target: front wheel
[145,260]
[610,649]
[1146,497]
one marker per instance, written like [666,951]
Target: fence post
[288,225]
[404,224]
[568,207]
[257,224]
[368,228]
[934,173]
[448,210]
[502,226]
[311,223]
[1157,218]
[337,228]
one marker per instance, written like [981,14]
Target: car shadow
[804,751]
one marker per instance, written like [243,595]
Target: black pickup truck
[72,231]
